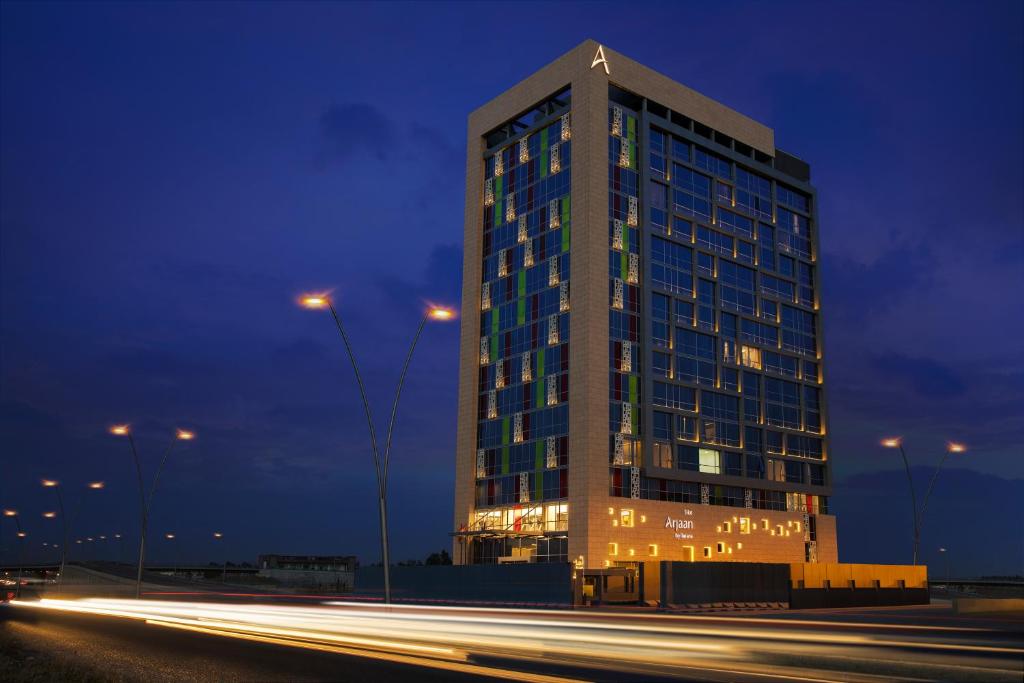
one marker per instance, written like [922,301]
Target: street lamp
[144,505]
[13,514]
[318,301]
[218,536]
[65,522]
[944,552]
[951,447]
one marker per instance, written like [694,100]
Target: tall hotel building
[641,364]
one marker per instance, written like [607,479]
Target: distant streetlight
[944,552]
[144,504]
[13,514]
[218,536]
[322,300]
[951,447]
[65,522]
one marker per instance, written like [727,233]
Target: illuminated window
[750,356]
[613,548]
[739,546]
[744,525]
[707,551]
[626,517]
[652,550]
[764,524]
[709,461]
[720,547]
[727,527]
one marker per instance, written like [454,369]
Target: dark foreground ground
[926,643]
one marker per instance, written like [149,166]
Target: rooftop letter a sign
[599,59]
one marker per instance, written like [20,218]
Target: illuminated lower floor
[626,531]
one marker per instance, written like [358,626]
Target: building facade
[641,366]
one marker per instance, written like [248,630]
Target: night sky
[173,175]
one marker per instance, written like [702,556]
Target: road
[178,639]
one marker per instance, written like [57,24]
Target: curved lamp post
[66,523]
[320,301]
[144,504]
[951,447]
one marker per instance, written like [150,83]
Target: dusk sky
[172,176]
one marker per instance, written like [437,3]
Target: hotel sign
[682,527]
[599,59]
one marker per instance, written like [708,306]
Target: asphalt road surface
[179,639]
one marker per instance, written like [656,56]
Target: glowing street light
[144,503]
[65,522]
[20,533]
[951,447]
[96,484]
[10,513]
[49,515]
[323,300]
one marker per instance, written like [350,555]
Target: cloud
[925,376]
[348,130]
[441,282]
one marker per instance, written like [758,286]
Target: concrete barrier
[988,605]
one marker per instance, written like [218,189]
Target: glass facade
[713,288]
[522,412]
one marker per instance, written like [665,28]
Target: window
[691,192]
[686,428]
[674,396]
[671,266]
[626,518]
[753,193]
[707,551]
[714,241]
[727,220]
[713,163]
[652,550]
[662,455]
[719,419]
[750,356]
[681,149]
[709,461]
[662,425]
[733,464]
[684,312]
[782,403]
[792,198]
[798,331]
[613,548]
[687,458]
[794,472]
[661,363]
[695,359]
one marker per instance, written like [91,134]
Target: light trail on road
[503,642]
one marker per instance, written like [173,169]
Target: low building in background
[334,572]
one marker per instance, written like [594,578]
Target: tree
[439,558]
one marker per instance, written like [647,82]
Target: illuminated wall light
[643,519]
[510,208]
[617,227]
[552,392]
[619,452]
[727,527]
[552,329]
[554,219]
[632,552]
[617,294]
[611,511]
[485,297]
[563,297]
[527,365]
[503,264]
[524,150]
[739,546]
[705,494]
[624,157]
[492,405]
[652,550]
[720,547]
[626,358]
[528,254]
[556,159]
[481,464]
[499,375]
[626,518]
[499,164]
[613,548]
[633,215]
[489,192]
[551,454]
[485,351]
[634,482]
[627,418]
[707,551]
[517,428]
[524,487]
[616,121]
[522,233]
[552,271]
[566,132]
[615,522]
[633,275]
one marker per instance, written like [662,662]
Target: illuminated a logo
[600,59]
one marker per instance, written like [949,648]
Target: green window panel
[499,215]
[633,393]
[544,139]
[494,323]
[636,419]
[521,311]
[538,395]
[625,264]
[522,284]
[631,128]
[499,184]
[540,363]
[565,237]
[538,457]
[504,456]
[565,210]
[538,486]
[544,162]
[632,156]
[494,347]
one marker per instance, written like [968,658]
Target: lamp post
[320,301]
[218,536]
[13,514]
[144,505]
[951,447]
[65,522]
[945,553]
